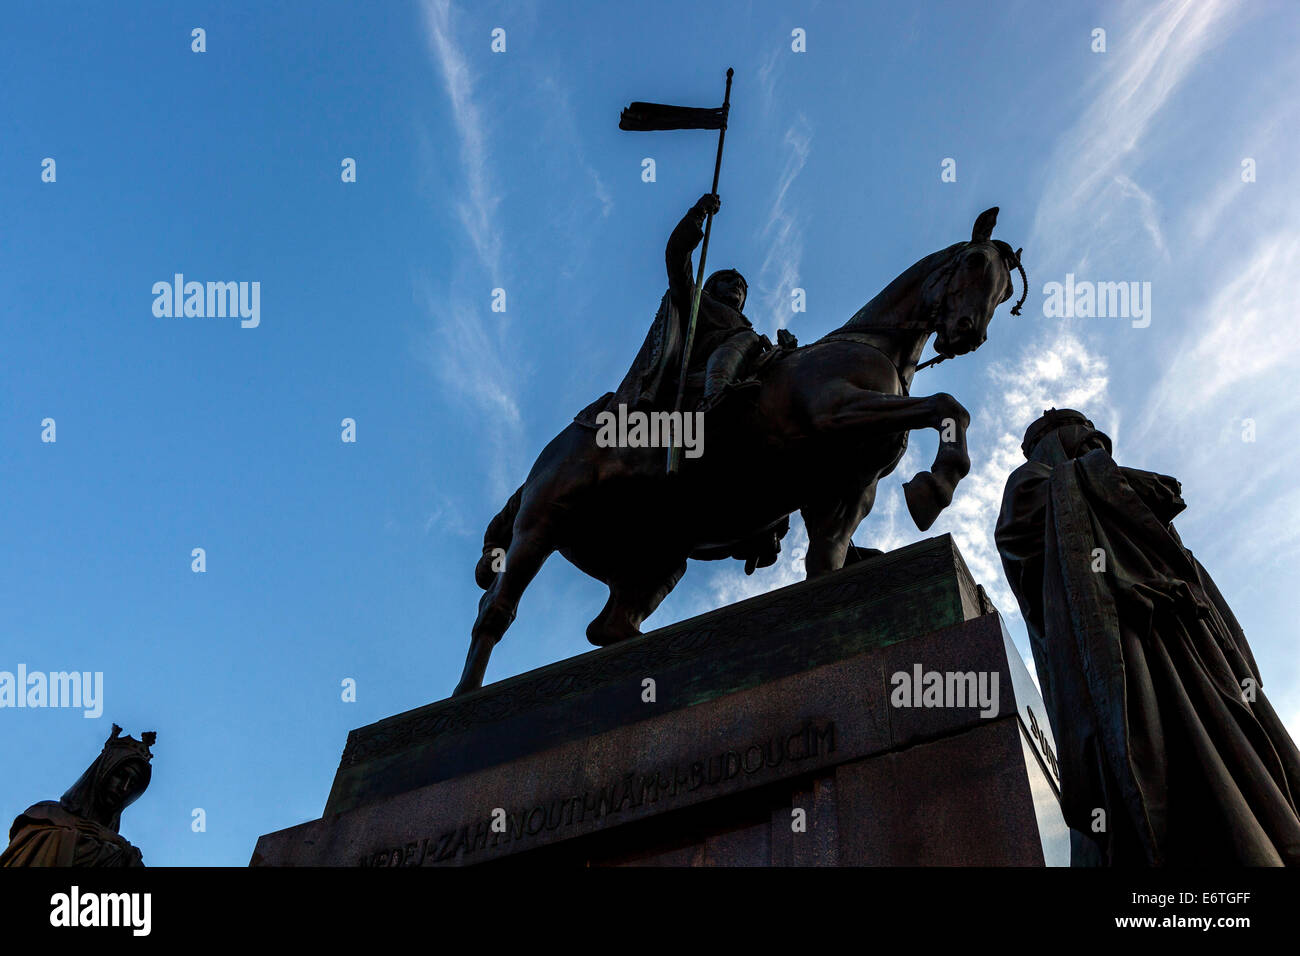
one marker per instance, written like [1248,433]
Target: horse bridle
[1009,259]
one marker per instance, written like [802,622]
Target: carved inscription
[628,792]
[1044,747]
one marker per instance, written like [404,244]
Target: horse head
[959,297]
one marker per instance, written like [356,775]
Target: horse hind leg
[527,553]
[829,536]
[830,526]
[633,597]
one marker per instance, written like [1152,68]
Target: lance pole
[674,450]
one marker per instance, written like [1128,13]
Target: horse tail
[496,540]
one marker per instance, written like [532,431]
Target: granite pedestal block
[879,715]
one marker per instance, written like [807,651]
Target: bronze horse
[830,419]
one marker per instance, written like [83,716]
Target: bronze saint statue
[829,420]
[725,342]
[1169,751]
[80,829]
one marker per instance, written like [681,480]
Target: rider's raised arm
[677,256]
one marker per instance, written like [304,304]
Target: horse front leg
[874,413]
[929,492]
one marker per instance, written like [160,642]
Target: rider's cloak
[1152,692]
[653,375]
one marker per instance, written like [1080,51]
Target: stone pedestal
[877,716]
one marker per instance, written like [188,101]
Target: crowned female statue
[80,829]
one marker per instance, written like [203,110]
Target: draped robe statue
[80,829]
[1169,751]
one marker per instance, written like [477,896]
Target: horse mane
[868,317]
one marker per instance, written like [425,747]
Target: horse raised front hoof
[925,499]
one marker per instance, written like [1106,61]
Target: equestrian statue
[810,429]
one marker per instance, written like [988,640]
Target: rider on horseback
[725,344]
[831,420]
[725,348]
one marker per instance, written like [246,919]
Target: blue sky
[476,170]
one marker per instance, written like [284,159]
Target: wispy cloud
[448,516]
[769,75]
[782,228]
[1093,192]
[1248,330]
[464,353]
[478,208]
[1221,389]
[779,273]
[1147,210]
[468,345]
